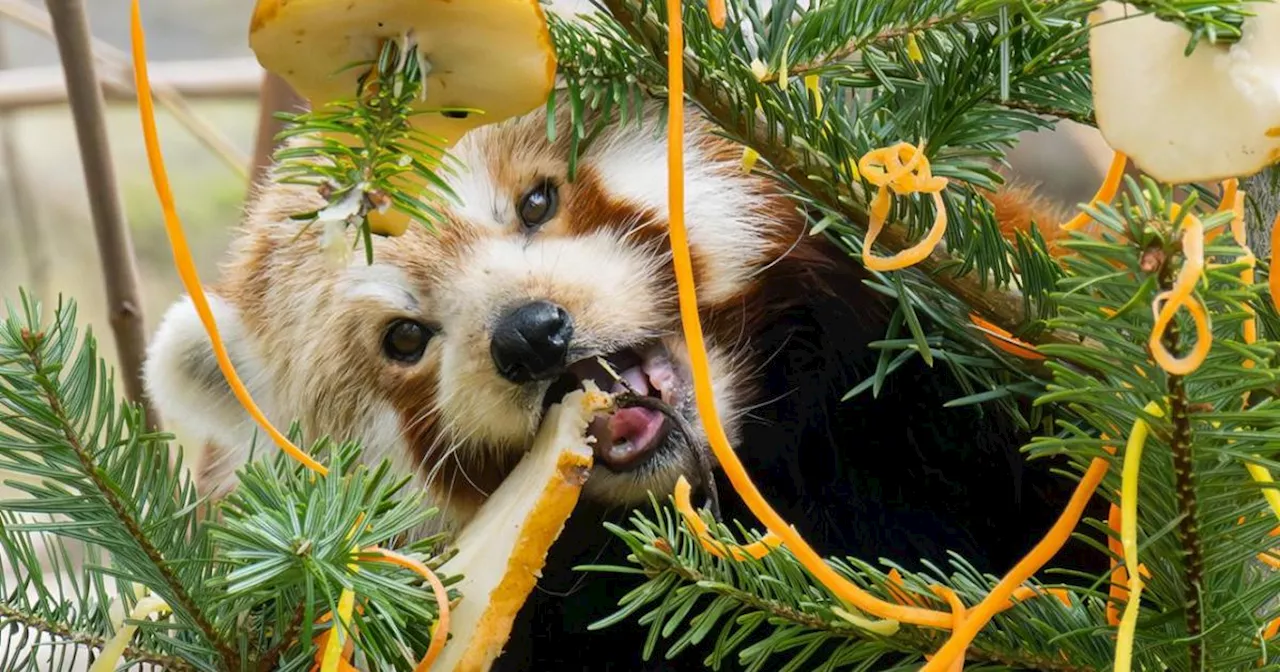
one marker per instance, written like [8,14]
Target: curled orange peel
[900,169]
[1004,340]
[440,632]
[181,252]
[699,527]
[999,598]
[1248,274]
[704,395]
[1106,192]
[1166,305]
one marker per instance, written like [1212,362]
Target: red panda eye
[539,204]
[406,340]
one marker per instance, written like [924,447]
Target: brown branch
[852,47]
[133,654]
[115,247]
[117,68]
[179,596]
[271,658]
[30,235]
[1185,491]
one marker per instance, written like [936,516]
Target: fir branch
[10,617]
[37,370]
[773,615]
[359,152]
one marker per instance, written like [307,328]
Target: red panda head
[445,353]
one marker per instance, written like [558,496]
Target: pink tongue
[627,436]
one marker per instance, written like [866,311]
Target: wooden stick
[115,247]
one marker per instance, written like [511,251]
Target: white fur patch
[187,388]
[718,209]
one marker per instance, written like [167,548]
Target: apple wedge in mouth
[502,550]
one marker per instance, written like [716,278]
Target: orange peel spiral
[1167,303]
[900,169]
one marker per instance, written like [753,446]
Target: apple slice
[1207,116]
[501,552]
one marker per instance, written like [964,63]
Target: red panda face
[447,351]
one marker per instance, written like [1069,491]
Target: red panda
[444,354]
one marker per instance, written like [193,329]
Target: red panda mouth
[628,437]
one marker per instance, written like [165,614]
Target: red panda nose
[531,342]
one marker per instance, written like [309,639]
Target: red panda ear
[188,390]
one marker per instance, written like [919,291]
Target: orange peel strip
[756,550]
[439,634]
[716,10]
[1004,340]
[705,394]
[903,169]
[1247,275]
[1106,192]
[1273,275]
[1181,296]
[181,252]
[998,599]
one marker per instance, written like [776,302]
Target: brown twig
[115,247]
[30,235]
[1185,492]
[134,654]
[116,66]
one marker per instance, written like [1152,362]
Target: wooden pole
[115,247]
[276,96]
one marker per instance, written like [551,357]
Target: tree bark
[1262,194]
[115,247]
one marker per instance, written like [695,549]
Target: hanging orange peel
[182,253]
[502,550]
[1106,192]
[842,588]
[1166,304]
[900,169]
[493,59]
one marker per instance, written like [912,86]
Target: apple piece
[494,56]
[1203,117]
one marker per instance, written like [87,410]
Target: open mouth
[625,439]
